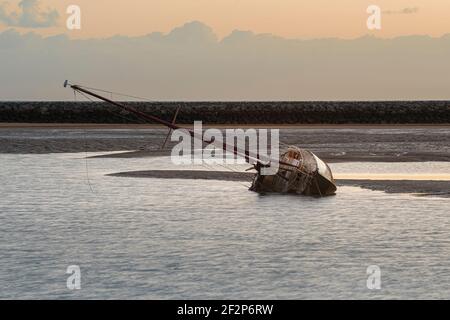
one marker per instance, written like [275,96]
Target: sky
[286,18]
[227,49]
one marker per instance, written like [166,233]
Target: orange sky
[287,18]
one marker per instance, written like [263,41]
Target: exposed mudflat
[418,187]
[188,174]
[333,144]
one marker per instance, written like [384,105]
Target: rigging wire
[117,114]
[241,174]
[117,93]
[228,168]
[88,180]
[128,119]
[211,168]
[206,166]
[285,145]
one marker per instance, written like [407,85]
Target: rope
[117,93]
[211,168]
[116,113]
[128,119]
[88,180]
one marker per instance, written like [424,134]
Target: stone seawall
[391,112]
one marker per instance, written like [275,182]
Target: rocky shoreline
[314,112]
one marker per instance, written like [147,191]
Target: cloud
[190,63]
[402,11]
[29,15]
[192,32]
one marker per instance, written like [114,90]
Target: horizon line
[23,31]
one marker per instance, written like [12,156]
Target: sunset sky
[227,49]
[287,18]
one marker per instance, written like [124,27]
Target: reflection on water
[155,238]
[392,170]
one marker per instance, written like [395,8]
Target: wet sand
[330,157]
[342,143]
[188,174]
[417,187]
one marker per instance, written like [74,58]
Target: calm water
[158,239]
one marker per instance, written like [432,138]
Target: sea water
[146,238]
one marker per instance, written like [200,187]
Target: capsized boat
[299,171]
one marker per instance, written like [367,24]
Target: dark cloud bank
[191,63]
